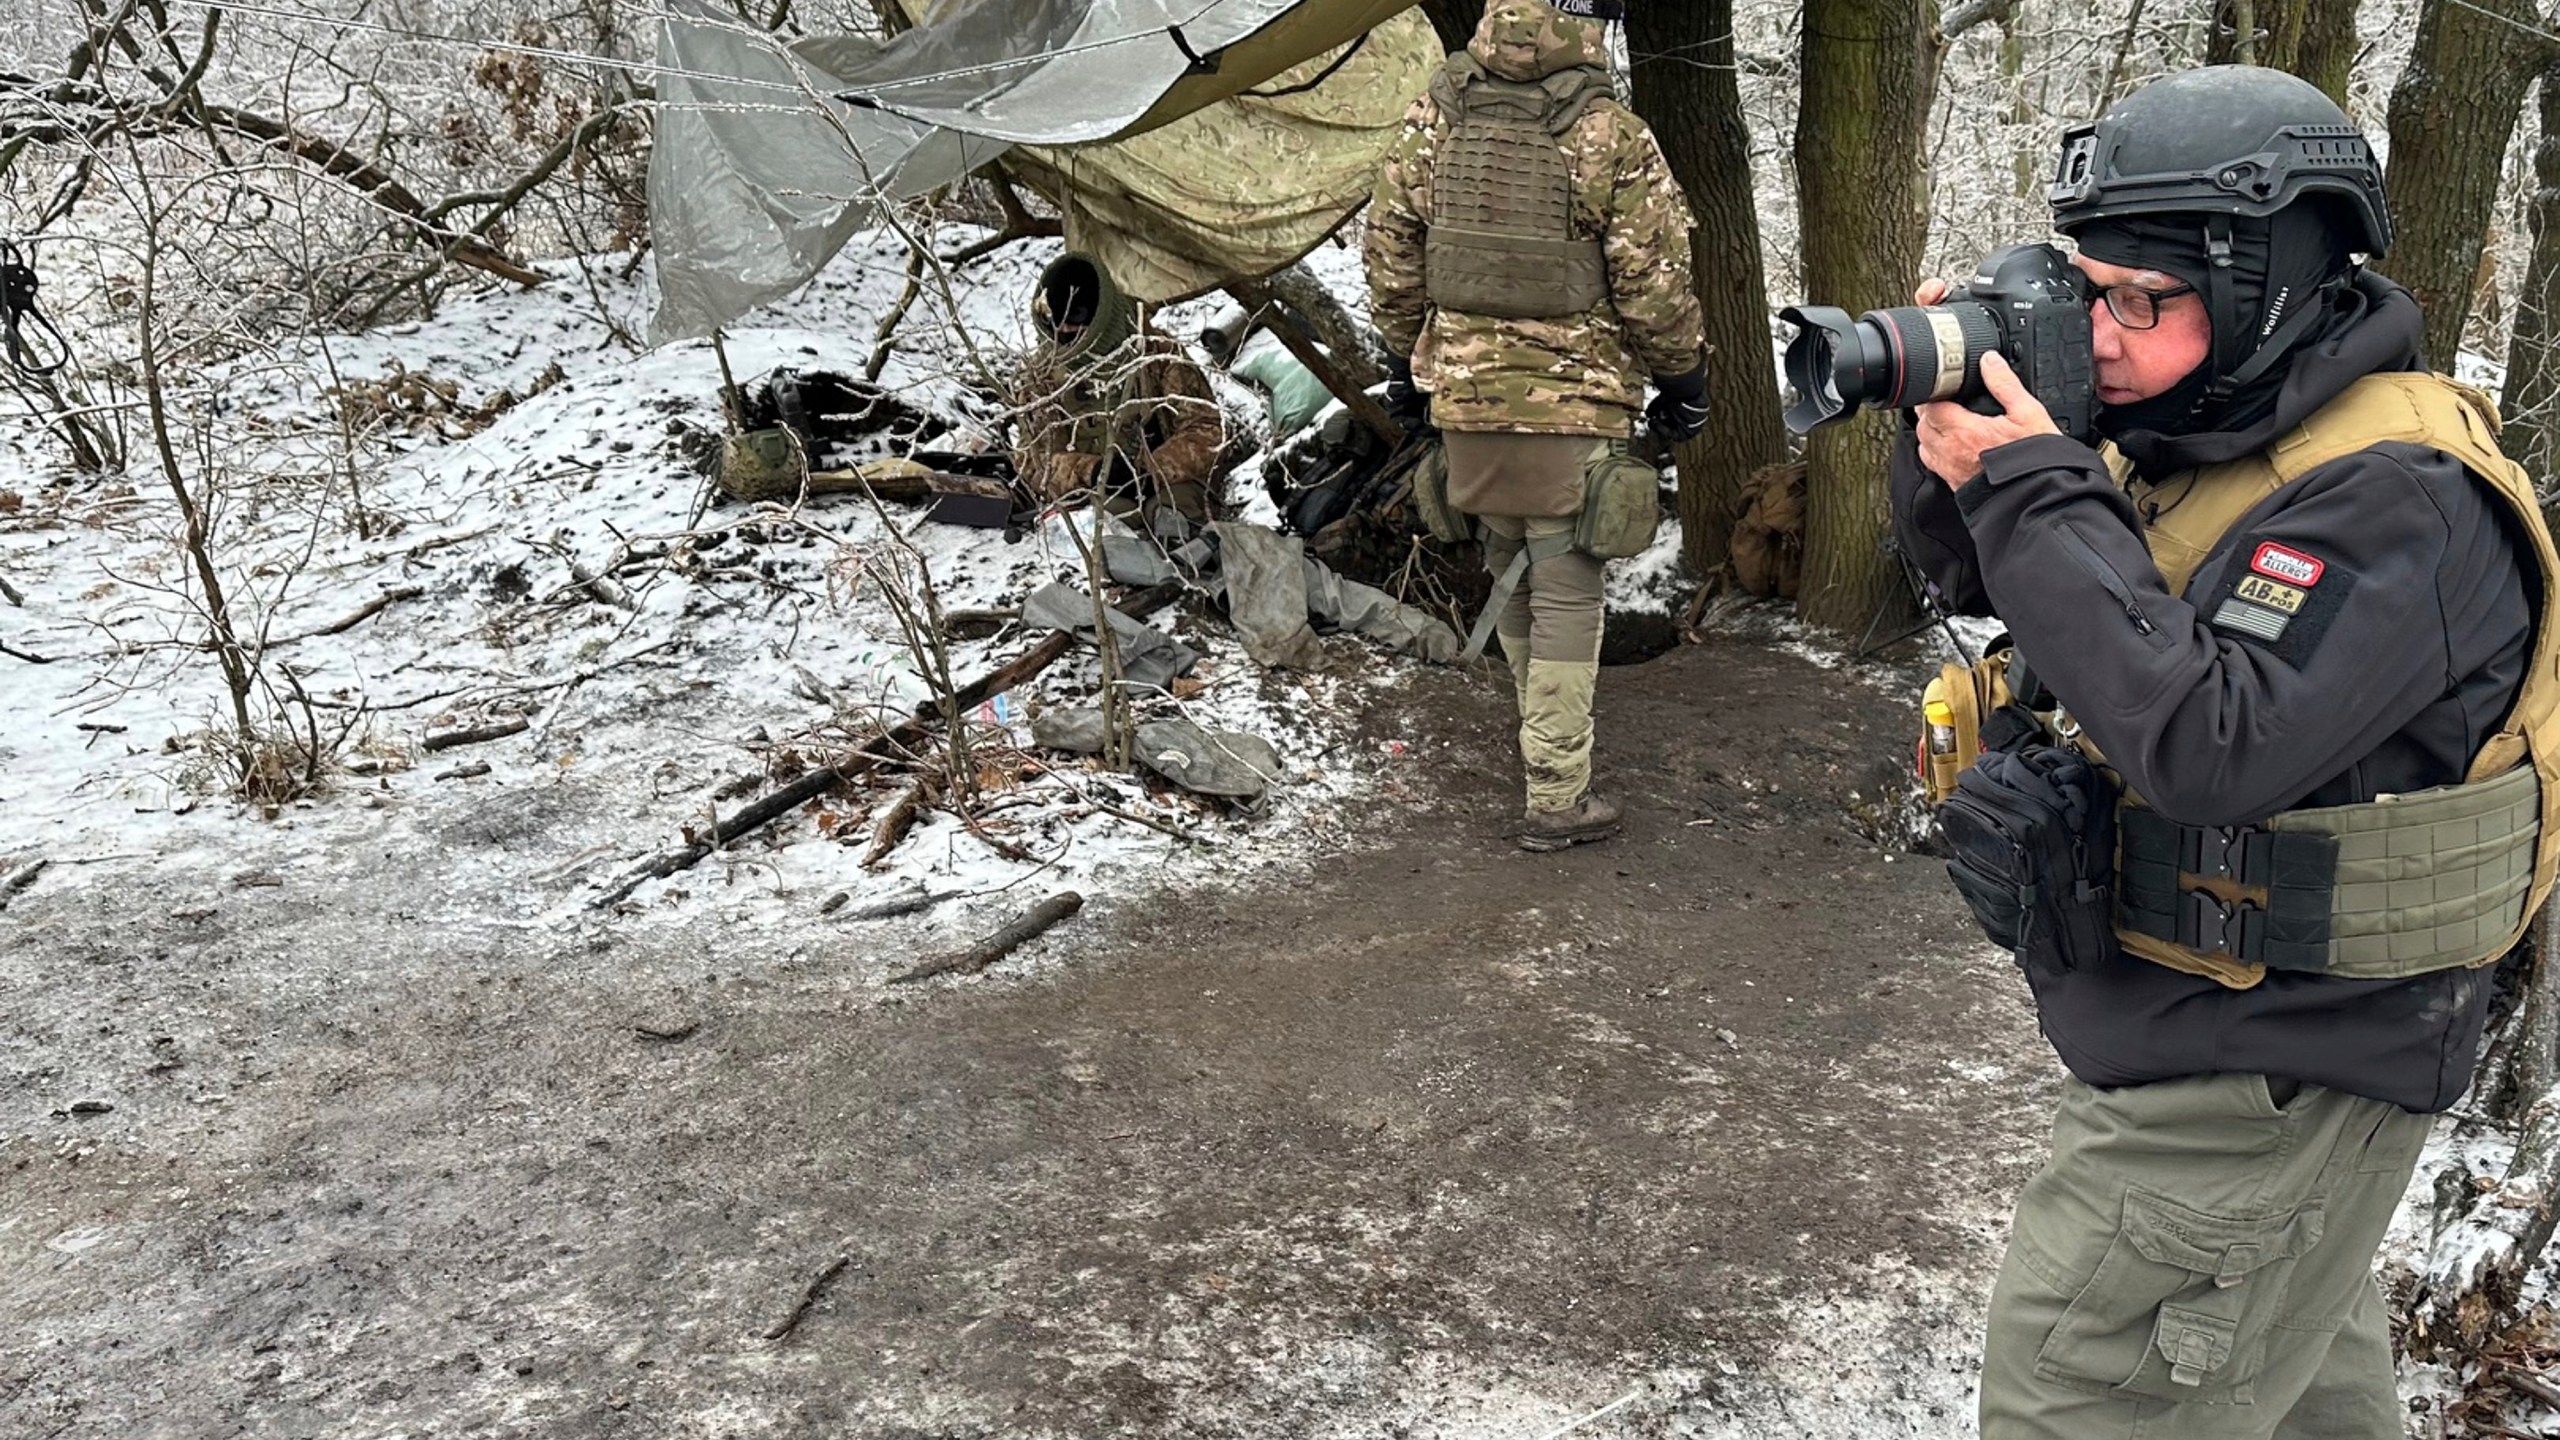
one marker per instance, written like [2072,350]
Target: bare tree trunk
[2327,47]
[2452,113]
[2533,356]
[1868,69]
[1685,88]
[2315,39]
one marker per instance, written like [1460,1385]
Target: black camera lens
[1887,359]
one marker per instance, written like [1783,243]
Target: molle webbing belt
[2380,891]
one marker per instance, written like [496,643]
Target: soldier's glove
[1679,408]
[1407,406]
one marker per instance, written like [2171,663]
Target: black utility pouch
[2031,846]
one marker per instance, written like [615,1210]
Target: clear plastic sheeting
[760,173]
[756,179]
[1064,72]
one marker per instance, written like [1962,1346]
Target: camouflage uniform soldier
[1528,257]
[1107,398]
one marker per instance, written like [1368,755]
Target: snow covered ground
[537,449]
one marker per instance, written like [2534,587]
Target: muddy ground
[1426,1137]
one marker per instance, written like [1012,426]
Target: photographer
[2288,602]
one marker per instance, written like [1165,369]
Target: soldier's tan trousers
[1550,632]
[2195,1261]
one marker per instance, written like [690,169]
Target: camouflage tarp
[759,176]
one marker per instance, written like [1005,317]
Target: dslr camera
[2026,301]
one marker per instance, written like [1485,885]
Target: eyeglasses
[2133,306]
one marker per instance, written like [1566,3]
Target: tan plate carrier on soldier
[2399,886]
[1502,243]
[1501,240]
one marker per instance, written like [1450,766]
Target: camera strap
[18,313]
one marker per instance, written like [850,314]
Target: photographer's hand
[1953,438]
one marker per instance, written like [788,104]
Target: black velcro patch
[2287,621]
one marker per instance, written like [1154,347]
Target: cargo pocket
[2181,1303]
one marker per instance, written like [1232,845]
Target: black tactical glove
[1407,406]
[1679,410]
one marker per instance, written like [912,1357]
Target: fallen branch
[808,1297]
[896,821]
[23,655]
[19,879]
[2524,1382]
[1002,943]
[375,184]
[601,585]
[476,735]
[472,771]
[367,611]
[906,737]
[896,905]
[11,593]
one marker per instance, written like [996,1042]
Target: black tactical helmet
[2224,139]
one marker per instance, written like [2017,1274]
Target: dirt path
[1437,1139]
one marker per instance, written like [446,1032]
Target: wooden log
[476,735]
[997,946]
[896,905]
[1258,298]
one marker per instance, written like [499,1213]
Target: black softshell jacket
[2407,655]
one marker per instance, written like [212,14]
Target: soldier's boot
[1590,818]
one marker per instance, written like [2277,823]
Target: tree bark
[2315,39]
[1695,110]
[2451,116]
[1868,67]
[2533,356]
[1354,346]
[2327,47]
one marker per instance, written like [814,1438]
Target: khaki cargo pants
[1550,632]
[1519,486]
[2195,1262]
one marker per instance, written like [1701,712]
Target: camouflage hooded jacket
[1575,374]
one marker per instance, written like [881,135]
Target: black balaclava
[2284,278]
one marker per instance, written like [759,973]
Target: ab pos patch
[2283,601]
